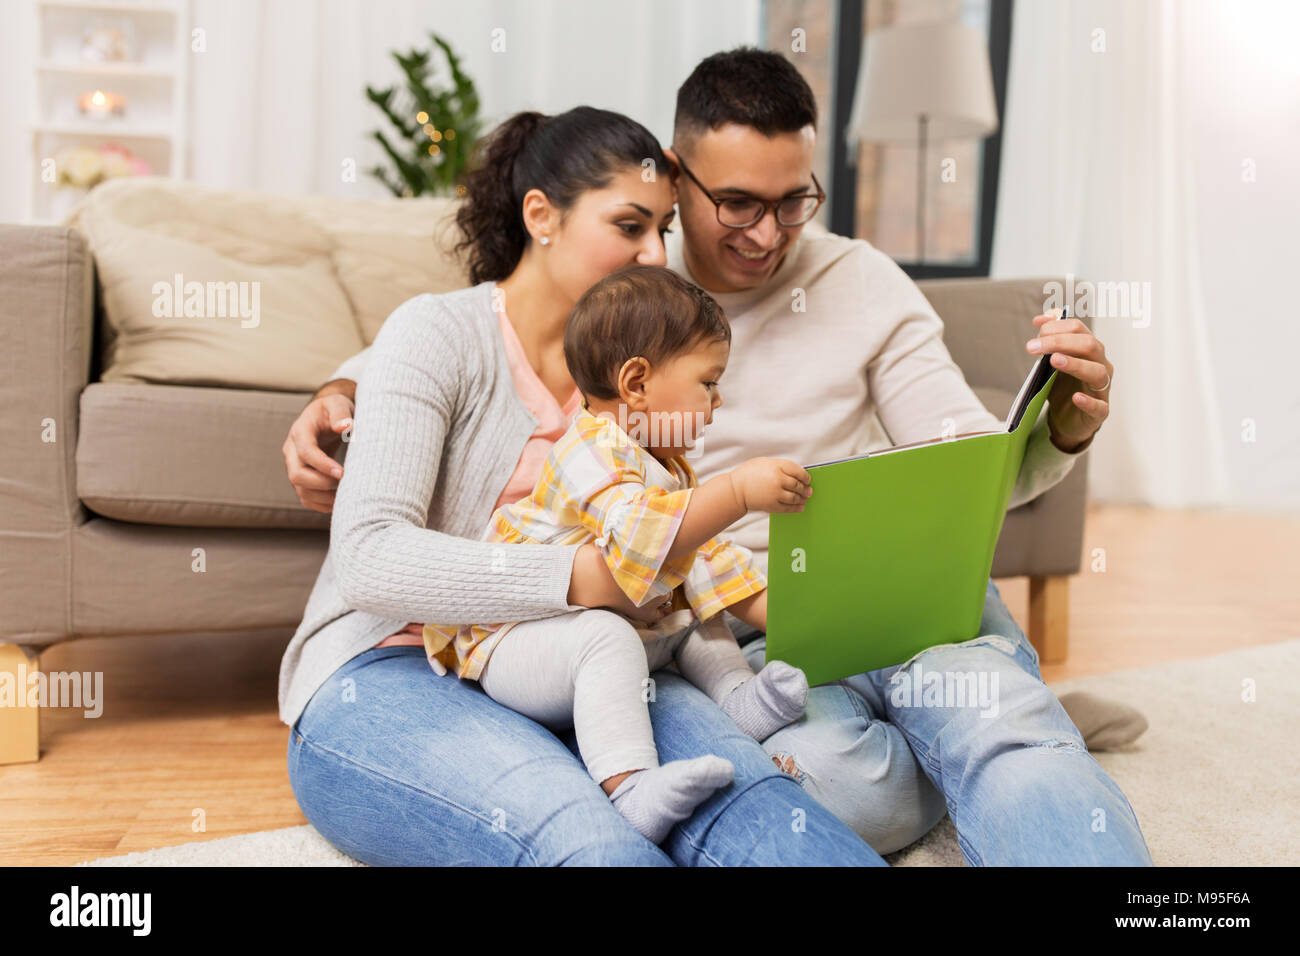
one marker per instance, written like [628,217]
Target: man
[827,330]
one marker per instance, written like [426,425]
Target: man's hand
[313,438]
[1079,401]
[771,484]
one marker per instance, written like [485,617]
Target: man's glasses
[741,213]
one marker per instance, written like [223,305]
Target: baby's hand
[771,484]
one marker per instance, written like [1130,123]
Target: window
[873,195]
[803,31]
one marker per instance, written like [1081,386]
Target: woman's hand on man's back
[313,438]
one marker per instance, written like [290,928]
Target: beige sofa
[132,507]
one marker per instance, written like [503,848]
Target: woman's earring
[545,240]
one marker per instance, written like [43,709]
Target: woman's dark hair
[648,311]
[563,155]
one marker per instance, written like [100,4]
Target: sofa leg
[20,729]
[1049,616]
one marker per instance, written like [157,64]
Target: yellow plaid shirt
[599,485]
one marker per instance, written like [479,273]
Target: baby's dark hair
[648,311]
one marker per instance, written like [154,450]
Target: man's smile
[753,260]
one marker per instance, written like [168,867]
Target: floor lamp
[923,82]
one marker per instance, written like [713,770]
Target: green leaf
[448,107]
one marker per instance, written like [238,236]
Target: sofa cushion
[195,457]
[214,287]
[386,251]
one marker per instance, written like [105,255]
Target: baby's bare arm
[760,484]
[714,506]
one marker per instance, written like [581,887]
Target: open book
[892,553]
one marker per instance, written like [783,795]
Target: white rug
[1215,781]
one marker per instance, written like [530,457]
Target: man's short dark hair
[746,86]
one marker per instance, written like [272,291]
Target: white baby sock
[654,800]
[768,701]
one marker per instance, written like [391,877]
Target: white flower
[79,166]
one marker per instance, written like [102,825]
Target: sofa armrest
[46,341]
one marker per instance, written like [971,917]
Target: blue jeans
[394,765]
[1011,770]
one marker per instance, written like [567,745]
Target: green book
[892,552]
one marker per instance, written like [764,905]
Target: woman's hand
[771,484]
[592,585]
[313,438]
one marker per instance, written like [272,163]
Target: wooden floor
[190,747]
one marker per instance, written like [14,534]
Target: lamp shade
[937,70]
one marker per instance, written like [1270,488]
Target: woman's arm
[419,375]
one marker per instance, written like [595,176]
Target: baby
[645,348]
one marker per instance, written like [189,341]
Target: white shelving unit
[153,84]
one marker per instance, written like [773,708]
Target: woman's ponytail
[491,221]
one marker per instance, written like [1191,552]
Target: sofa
[142,486]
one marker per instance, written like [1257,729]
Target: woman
[393,764]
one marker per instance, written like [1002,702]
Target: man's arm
[1043,466]
[934,383]
[921,393]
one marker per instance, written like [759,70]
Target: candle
[101,105]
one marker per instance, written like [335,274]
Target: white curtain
[277,99]
[1151,146]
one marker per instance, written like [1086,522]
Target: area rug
[1215,780]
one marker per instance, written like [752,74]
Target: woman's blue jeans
[394,765]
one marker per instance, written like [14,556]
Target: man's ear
[540,217]
[631,383]
[674,165]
